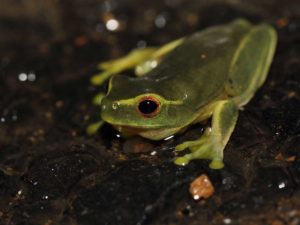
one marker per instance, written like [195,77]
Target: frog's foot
[212,143]
[94,127]
[143,60]
[201,149]
[130,60]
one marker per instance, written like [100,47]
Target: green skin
[210,74]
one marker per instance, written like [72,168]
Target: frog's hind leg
[118,65]
[143,60]
[212,143]
[251,63]
[248,72]
[147,65]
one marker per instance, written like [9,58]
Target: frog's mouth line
[152,134]
[119,125]
[129,129]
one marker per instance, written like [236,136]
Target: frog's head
[138,103]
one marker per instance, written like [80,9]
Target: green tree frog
[210,74]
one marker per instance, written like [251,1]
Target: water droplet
[281,185]
[227,220]
[115,105]
[31,77]
[14,117]
[196,197]
[22,77]
[168,138]
[153,63]
[107,6]
[153,153]
[112,24]
[222,40]
[160,21]
[141,44]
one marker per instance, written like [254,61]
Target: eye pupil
[148,106]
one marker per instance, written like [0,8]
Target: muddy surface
[51,172]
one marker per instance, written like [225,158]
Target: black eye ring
[148,106]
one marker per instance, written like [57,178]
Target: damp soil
[51,172]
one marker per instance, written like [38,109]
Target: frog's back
[198,69]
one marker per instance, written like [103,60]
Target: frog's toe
[98,79]
[93,128]
[216,164]
[209,151]
[201,150]
[188,144]
[106,65]
[184,160]
[181,147]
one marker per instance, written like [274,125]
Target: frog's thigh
[251,63]
[212,143]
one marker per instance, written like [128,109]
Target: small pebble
[201,187]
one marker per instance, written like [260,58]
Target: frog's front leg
[94,127]
[212,143]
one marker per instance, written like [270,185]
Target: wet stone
[133,193]
[60,171]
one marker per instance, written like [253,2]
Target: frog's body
[209,74]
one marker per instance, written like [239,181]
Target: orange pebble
[201,187]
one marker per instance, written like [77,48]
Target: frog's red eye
[148,106]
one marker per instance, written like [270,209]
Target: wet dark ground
[51,172]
